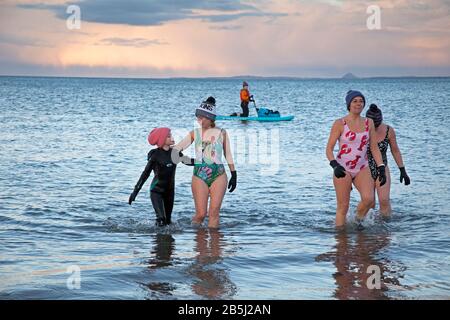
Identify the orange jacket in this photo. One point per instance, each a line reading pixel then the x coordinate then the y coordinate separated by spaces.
pixel 245 95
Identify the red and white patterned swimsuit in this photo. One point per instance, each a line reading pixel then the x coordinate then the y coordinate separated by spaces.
pixel 353 149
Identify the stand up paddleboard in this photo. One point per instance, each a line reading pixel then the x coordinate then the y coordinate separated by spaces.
pixel 265 119
pixel 263 114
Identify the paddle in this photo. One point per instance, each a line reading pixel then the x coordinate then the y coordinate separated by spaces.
pixel 254 103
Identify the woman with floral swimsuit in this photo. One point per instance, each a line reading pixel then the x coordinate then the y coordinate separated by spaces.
pixel 209 179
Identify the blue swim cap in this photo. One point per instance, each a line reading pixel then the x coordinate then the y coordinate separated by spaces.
pixel 353 94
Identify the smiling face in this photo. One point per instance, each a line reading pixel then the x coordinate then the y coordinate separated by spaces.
pixel 357 105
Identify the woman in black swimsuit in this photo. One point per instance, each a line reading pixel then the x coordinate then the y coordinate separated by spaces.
pixel 385 136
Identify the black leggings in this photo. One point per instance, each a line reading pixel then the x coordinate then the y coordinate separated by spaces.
pixel 163 205
pixel 244 106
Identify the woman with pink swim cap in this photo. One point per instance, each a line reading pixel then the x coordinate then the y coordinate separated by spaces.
pixel 351 163
pixel 163 161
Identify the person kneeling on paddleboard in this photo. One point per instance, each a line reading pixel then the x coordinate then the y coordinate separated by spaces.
pixel 163 161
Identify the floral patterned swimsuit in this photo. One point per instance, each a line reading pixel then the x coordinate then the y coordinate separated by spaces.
pixel 208 158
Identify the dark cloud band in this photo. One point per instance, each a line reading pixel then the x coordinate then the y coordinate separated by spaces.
pixel 156 12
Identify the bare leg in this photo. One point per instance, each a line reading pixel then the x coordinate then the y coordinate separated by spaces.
pixel 364 183
pixel 217 191
pixel 374 200
pixel 343 188
pixel 384 195
pixel 200 192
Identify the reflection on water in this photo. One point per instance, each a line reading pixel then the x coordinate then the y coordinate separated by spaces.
pixel 355 257
pixel 211 278
pixel 163 247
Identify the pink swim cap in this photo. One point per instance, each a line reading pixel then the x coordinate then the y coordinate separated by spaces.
pixel 158 136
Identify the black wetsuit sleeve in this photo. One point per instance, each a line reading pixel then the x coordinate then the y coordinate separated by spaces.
pixel 144 176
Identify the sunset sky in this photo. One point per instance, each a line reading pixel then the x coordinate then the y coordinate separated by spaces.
pixel 202 38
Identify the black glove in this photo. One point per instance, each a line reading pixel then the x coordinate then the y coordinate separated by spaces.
pixel 403 175
pixel 251 98
pixel 339 170
pixel 382 175
pixel 132 197
pixel 233 181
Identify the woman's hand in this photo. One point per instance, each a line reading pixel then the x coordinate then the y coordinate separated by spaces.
pixel 339 171
pixel 233 181
pixel 403 175
pixel 382 175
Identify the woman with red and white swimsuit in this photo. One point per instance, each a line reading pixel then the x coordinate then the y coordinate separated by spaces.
pixel 351 164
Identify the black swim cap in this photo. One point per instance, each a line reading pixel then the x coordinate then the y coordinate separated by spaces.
pixel 375 114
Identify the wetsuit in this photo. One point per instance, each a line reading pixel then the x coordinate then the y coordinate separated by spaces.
pixel 162 189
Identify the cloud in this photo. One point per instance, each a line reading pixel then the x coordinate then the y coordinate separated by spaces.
pixel 134 42
pixel 23 41
pixel 156 12
pixel 317 38
pixel 8 67
pixel 235 16
pixel 231 27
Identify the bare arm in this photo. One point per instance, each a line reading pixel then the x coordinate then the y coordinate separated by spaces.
pixel 335 133
pixel 227 151
pixel 395 150
pixel 185 143
pixel 376 153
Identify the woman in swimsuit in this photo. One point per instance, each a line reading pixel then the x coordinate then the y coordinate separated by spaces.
pixel 209 178
pixel 351 164
pixel 385 137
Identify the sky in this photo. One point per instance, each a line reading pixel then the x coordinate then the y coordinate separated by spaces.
pixel 221 38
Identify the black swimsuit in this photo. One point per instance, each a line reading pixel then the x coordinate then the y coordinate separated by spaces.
pixel 383 146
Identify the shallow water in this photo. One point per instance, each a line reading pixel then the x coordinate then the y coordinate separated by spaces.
pixel 72 150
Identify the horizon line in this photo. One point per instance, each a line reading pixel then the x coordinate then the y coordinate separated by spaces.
pixel 225 77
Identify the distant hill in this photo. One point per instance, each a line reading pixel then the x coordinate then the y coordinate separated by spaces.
pixel 349 76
